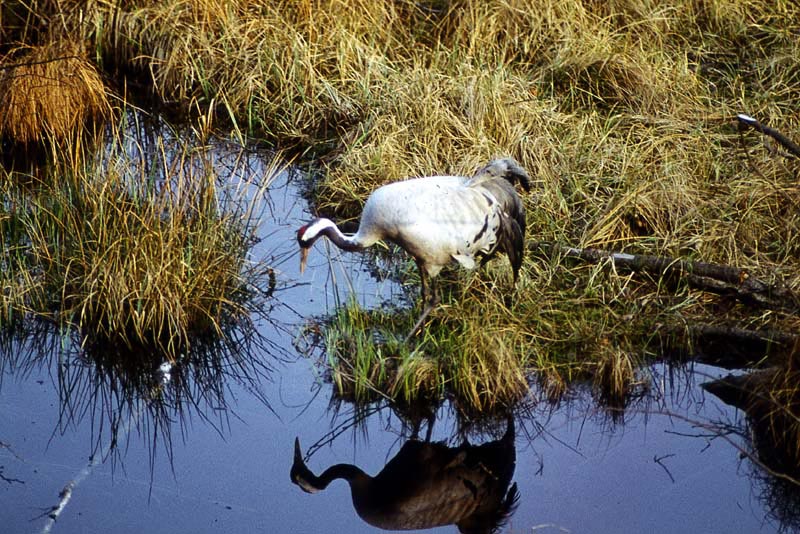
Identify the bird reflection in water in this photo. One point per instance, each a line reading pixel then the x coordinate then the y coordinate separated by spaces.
pixel 429 484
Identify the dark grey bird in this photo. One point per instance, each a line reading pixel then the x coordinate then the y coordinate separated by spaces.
pixel 438 219
pixel 428 485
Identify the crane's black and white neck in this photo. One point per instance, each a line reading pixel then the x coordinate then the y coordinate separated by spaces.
pixel 308 234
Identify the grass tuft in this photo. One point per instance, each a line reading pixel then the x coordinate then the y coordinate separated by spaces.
pixel 50 92
pixel 151 265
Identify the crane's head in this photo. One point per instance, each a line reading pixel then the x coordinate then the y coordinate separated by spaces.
pixel 309 233
pixel 300 474
pixel 305 243
pixel 506 168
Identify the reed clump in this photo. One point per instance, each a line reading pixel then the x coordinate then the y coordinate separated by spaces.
pixel 370 359
pixel 50 92
pixel 378 363
pixel 23 290
pixel 144 265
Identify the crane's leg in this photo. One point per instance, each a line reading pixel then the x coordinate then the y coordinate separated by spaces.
pixel 429 433
pixel 429 304
pixel 430 418
pixel 422 282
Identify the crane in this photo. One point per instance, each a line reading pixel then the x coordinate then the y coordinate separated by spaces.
pixel 429 484
pixel 438 219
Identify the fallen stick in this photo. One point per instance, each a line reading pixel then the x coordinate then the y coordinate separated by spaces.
pixel 711 277
pixel 788 144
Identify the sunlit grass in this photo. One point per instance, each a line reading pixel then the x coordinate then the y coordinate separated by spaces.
pixel 622 112
pixel 378 363
pixel 50 93
pixel 140 262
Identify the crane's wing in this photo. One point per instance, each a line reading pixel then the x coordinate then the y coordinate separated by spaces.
pixel 435 219
pixel 510 233
pixel 441 218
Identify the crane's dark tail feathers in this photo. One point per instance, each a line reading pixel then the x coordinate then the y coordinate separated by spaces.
pixel 511 242
pixel 498 177
pixel 506 168
pixel 508 506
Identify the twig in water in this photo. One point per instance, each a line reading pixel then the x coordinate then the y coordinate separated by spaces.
pixel 4 478
pixel 9 479
pixel 657 459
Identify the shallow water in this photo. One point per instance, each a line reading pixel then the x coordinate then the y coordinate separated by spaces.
pixel 222 465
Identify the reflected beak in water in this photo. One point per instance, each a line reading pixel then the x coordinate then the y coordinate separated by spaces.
pixel 300 474
pixel 303 259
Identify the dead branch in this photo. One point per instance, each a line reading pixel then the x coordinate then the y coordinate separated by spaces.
pixel 711 277
pixel 788 144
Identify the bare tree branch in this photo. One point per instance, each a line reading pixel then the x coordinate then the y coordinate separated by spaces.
pixel 711 277
pixel 788 144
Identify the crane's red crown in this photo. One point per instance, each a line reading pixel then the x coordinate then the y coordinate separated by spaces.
pixel 301 236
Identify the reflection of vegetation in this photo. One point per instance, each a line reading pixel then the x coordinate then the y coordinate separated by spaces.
pixel 120 392
pixel 132 260
pixel 672 393
pixel 771 400
pixel 781 499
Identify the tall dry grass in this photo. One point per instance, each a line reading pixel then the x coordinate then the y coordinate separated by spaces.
pixel 50 92
pixel 622 111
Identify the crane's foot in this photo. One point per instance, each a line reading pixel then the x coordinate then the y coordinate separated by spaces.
pixel 424 315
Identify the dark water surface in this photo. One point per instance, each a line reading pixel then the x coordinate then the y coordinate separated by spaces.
pixel 222 465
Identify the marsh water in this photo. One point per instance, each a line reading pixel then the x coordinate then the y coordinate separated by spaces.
pixel 83 451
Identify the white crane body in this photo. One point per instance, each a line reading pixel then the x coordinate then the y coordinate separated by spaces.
pixel 435 219
pixel 439 219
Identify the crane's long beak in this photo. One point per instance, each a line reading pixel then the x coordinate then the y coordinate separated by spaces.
pixel 303 259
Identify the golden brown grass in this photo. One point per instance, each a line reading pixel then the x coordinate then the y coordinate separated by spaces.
pixel 50 92
pixel 623 111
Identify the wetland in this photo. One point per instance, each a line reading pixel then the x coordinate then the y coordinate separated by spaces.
pixel 166 365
